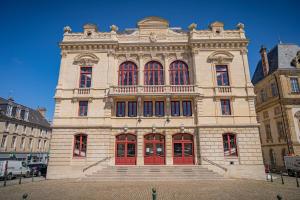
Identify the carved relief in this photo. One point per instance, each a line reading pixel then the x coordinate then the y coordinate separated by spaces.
pixel 153 37
pixel 220 57
pixel 296 61
pixel 86 59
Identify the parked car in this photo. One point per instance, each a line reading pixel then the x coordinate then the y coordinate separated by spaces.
pixel 14 168
pixel 292 165
pixel 38 169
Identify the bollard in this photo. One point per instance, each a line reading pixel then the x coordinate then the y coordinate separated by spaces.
pixel 20 180
pixel 32 177
pixel 4 184
pixel 282 182
pixel 296 175
pixel 25 195
pixel 154 194
pixel 279 197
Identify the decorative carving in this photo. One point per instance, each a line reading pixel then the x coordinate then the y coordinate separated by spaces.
pixel 297 115
pixel 86 59
pixel 192 27
pixel 240 26
pixel 114 28
pixel 67 29
pixel 153 37
pixel 220 57
pixel 296 61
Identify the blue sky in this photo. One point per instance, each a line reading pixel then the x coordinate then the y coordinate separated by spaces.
pixel 31 30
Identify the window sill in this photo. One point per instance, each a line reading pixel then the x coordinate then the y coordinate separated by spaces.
pixel 79 157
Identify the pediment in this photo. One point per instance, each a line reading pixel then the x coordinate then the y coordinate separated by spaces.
pixel 86 59
pixel 153 23
pixel 220 57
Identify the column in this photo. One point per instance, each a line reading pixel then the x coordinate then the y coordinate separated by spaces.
pixel 141 69
pixel 246 67
pixel 166 69
pixel 140 150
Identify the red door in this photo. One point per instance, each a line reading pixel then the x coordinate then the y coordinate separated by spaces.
pixel 125 149
pixel 183 149
pixel 154 153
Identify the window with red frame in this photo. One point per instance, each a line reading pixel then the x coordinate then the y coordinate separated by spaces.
pixel 229 144
pixel 179 73
pixel 187 108
pixel 132 109
pixel 159 108
pixel 128 73
pixel 148 108
pixel 222 75
pixel 120 109
pixel 225 106
pixel 80 144
pixel 153 73
pixel 83 108
pixel 85 77
pixel 175 108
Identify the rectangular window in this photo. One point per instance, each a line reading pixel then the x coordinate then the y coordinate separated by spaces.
pixel 132 109
pixel 45 145
pixel 24 129
pixel 225 105
pixel 120 109
pixel 22 114
pixel 187 108
pixel 175 108
pixel 159 109
pixel 268 132
pixel 30 144
pixel 148 109
pixel 85 77
pixel 274 90
pixel 13 142
pixel 229 145
pixel 3 142
pixel 80 145
pixel 294 85
pixel 263 96
pixel 83 108
pixel 222 75
pixel 39 144
pixel 280 130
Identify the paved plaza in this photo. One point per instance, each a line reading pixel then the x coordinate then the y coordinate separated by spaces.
pixel 206 189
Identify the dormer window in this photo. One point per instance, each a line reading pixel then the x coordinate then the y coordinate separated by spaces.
pixel 22 114
pixel 26 115
pixel 9 110
pixel 14 112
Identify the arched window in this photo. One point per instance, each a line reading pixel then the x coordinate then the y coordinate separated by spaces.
pixel 153 73
pixel 229 144
pixel 128 73
pixel 179 73
pixel 80 144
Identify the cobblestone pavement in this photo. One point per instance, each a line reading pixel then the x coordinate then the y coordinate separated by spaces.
pixel 127 190
pixel 24 180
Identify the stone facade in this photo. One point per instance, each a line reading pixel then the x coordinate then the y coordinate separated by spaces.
pixel 24 132
pixel 277 103
pixel 154 40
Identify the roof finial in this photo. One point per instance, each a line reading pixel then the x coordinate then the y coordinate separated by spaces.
pixel 279 39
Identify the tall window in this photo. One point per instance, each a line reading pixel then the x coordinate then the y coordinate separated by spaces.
pixel 80 144
pixel 295 85
pixel 83 108
pixel 175 108
pixel 153 73
pixel 22 144
pixel 85 77
pixel 132 109
pixel 148 108
pixel 179 73
pixel 274 90
pixel 222 75
pixel 229 144
pixel 22 114
pixel 128 73
pixel 120 109
pixel 159 108
pixel 268 132
pixel 272 158
pixel 13 142
pixel 3 142
pixel 187 108
pixel 225 106
pixel 30 144
pixel 280 130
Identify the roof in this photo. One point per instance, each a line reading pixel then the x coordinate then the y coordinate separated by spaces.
pixel 280 57
pixel 34 116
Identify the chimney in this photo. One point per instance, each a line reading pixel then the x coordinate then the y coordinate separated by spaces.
pixel 42 111
pixel 264 60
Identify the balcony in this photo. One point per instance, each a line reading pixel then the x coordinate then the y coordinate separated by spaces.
pixel 222 90
pixel 153 90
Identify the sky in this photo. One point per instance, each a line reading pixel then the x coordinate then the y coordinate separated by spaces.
pixel 31 31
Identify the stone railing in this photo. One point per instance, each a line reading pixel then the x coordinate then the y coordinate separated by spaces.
pixel 152 89
pixel 223 90
pixel 81 91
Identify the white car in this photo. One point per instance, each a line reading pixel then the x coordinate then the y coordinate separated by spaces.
pixel 14 168
pixel 292 164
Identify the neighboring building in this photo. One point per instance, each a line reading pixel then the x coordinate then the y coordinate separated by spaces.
pixel 276 80
pixel 24 132
pixel 155 95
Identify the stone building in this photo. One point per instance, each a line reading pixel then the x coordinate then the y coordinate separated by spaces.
pixel 24 132
pixel 155 95
pixel 276 81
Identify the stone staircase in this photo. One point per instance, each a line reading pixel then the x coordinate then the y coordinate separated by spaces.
pixel 152 173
